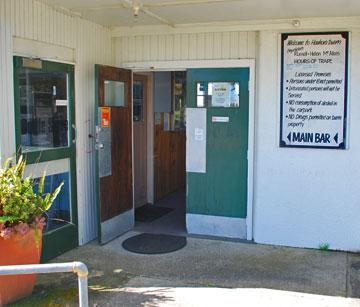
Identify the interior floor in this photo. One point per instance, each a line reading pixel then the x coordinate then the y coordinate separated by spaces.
pixel 171 223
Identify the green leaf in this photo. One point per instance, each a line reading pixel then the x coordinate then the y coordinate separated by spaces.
pixel 7 218
pixel 53 196
pixel 41 184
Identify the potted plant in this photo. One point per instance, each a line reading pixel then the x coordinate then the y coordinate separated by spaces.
pixel 23 204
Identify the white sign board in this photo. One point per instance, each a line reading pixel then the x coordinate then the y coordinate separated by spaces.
pixel 314 90
pixel 196 140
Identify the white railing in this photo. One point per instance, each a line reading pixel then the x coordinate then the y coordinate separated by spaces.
pixel 78 268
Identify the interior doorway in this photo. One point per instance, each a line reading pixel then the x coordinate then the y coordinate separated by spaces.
pixel 159 101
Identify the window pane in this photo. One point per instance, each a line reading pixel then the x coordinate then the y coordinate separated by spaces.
pixel 138 101
pixel 179 78
pixel 44 110
pixel 218 94
pixel 114 93
pixel 59 213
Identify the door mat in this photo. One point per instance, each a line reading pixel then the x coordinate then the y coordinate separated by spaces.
pixel 148 243
pixel 149 213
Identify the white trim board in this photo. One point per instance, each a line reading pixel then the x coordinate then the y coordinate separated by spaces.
pixel 219 226
pixel 36 49
pixel 240 63
pixel 53 167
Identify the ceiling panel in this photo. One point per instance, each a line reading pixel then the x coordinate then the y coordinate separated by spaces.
pixel 70 4
pixel 112 13
pixel 116 17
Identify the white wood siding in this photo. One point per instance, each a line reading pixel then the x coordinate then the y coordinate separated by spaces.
pixel 192 46
pixel 33 20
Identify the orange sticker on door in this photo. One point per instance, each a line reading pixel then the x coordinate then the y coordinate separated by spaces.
pixel 105 117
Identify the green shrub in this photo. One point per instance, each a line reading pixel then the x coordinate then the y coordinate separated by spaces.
pixel 22 206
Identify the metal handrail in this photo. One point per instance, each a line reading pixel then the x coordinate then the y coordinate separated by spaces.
pixel 78 268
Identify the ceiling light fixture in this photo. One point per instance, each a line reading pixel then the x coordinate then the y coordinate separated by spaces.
pixel 136 9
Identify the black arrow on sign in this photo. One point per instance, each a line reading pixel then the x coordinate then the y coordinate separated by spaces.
pixel 289 137
pixel 336 138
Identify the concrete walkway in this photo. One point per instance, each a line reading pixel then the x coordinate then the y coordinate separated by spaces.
pixel 207 273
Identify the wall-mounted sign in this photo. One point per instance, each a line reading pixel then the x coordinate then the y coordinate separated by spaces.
pixel 314 89
pixel 105 117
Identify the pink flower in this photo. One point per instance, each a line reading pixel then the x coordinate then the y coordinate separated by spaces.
pixel 6 233
pixel 40 222
pixel 2 226
pixel 22 228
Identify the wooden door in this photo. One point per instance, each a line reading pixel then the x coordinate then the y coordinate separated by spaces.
pixel 222 189
pixel 114 151
pixel 140 139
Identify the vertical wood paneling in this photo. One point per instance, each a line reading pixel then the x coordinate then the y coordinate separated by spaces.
pixel 146 51
pixel 154 47
pixel 169 46
pixel 200 54
pixel 193 46
pixel 188 46
pixel 138 48
pixel 33 20
pixel 177 47
pixel 252 42
pixel 184 46
pixel 161 48
pixel 225 49
pixel 209 43
pixel 234 42
pixel 217 45
pixel 243 45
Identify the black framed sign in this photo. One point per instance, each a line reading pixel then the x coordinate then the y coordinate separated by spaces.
pixel 314 77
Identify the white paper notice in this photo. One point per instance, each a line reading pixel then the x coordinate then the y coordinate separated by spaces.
pixel 313 105
pixel 221 94
pixel 199 134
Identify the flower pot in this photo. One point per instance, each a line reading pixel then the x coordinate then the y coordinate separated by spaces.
pixel 19 249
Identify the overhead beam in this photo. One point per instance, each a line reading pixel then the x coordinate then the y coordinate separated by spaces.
pixel 153 5
pixel 310 24
pixel 161 19
pixel 187 2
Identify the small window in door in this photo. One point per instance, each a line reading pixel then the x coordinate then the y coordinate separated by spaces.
pixel 217 94
pixel 138 101
pixel 114 93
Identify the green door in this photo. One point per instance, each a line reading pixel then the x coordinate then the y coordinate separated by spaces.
pixel 46 136
pixel 221 190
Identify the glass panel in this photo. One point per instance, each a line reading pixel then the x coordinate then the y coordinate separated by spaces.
pixel 138 101
pixel 59 214
pixel 179 99
pixel 44 110
pixel 218 94
pixel 114 93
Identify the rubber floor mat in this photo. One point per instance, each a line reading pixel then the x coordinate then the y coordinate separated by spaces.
pixel 148 243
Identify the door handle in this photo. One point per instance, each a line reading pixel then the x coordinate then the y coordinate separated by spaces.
pixel 75 134
pixel 99 146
